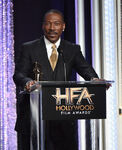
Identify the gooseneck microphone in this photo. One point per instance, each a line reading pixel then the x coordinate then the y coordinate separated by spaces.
pixel 60 51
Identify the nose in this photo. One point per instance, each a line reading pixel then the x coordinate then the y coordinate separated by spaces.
pixel 52 26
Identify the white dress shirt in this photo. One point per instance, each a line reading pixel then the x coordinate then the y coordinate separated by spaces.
pixel 49 46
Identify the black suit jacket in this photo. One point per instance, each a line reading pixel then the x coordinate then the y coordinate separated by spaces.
pixel 35 51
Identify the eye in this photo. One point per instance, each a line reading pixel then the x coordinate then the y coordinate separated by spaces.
pixel 57 23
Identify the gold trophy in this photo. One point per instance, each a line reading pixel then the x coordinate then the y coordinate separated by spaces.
pixel 37 72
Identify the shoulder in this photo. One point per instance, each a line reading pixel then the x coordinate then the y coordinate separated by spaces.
pixel 31 43
pixel 66 43
pixel 28 48
pixel 31 46
pixel 70 47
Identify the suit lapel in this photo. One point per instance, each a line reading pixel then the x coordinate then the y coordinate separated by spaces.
pixel 43 53
pixel 48 73
pixel 43 60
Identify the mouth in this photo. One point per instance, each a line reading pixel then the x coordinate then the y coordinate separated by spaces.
pixel 52 34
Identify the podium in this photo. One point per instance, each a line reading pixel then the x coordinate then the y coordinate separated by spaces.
pixel 64 100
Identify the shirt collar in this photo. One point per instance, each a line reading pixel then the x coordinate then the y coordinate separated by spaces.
pixel 49 44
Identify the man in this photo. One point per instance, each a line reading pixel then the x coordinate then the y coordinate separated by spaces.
pixel 41 51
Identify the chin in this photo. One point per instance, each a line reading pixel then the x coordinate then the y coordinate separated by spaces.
pixel 53 40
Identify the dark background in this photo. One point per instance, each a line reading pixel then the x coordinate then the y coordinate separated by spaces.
pixel 28 16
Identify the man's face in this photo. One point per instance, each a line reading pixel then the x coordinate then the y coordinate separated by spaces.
pixel 53 26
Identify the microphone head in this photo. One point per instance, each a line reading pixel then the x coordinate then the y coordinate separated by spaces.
pixel 60 50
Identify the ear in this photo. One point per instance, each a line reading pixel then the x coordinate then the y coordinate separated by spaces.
pixel 63 27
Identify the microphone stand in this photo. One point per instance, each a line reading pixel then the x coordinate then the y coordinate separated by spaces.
pixel 65 71
pixel 62 55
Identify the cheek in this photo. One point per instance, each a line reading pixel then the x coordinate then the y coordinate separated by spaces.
pixel 60 30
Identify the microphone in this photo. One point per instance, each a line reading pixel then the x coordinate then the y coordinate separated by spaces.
pixel 60 51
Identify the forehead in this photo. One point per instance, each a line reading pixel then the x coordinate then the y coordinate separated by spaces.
pixel 53 17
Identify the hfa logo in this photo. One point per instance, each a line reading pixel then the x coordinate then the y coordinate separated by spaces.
pixel 78 94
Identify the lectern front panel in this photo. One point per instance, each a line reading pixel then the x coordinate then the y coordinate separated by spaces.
pixel 72 103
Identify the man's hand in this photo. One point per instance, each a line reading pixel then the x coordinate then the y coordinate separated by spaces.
pixel 108 85
pixel 29 85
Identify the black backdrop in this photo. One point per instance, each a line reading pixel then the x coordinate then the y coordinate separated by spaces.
pixel 28 16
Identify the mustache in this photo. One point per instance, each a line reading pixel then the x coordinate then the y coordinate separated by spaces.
pixel 52 32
